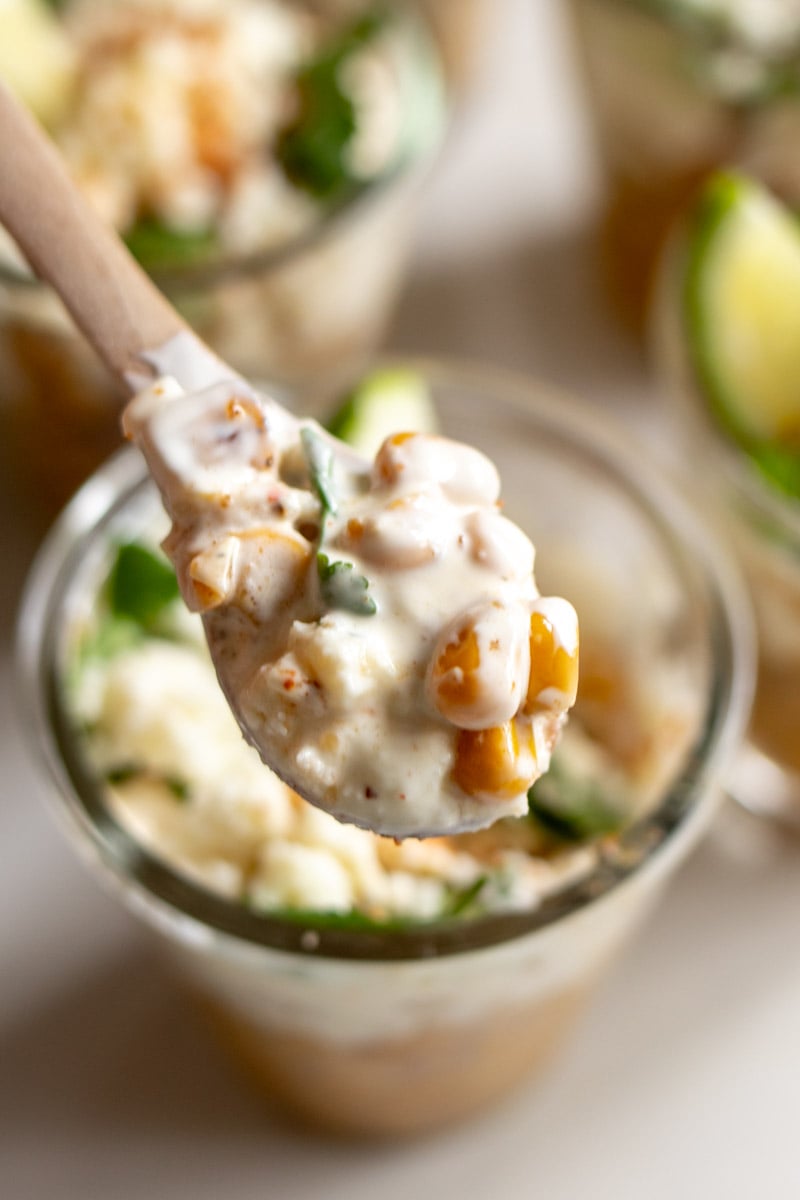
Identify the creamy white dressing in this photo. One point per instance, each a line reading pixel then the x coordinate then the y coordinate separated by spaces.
pixel 376 627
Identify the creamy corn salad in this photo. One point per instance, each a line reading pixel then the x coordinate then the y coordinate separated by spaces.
pixel 375 624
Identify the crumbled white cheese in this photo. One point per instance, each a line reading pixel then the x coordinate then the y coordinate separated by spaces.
pixel 190 789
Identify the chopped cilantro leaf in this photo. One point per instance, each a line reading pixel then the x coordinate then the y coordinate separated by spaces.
pixel 463 900
pixel 343 588
pixel 319 457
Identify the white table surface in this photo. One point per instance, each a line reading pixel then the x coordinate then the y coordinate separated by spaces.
pixel 683 1079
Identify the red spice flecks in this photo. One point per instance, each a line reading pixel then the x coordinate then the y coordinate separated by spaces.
pixel 370 793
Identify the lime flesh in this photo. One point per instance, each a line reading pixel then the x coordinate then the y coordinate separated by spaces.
pixel 743 307
pixel 742 310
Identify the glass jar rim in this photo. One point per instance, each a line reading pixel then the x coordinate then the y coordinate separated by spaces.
pixel 177 281
pixel 168 899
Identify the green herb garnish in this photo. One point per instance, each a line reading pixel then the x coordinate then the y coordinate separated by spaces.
pixel 141 585
pixel 462 900
pixel 343 588
pixel 319 457
pixel 312 149
pixel 571 807
pixel 124 774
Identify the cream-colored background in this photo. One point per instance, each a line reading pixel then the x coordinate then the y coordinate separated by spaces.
pixel 684 1079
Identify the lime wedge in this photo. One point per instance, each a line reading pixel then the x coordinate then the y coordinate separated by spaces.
pixel 389 400
pixel 742 310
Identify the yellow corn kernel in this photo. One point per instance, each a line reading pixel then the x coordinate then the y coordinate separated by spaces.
pixel 414 500
pixel 495 763
pixel 388 467
pixel 553 669
pixel 455 678
pixel 212 574
pixel 272 567
pixel 206 597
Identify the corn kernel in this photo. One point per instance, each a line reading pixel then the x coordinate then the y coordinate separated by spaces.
pixel 553 681
pixel 495 763
pixel 455 678
pixel 282 559
pixel 388 466
pixel 212 574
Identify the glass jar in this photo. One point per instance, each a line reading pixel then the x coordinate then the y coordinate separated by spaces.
pixel 394 1031
pixel 762 525
pixel 305 314
pixel 674 89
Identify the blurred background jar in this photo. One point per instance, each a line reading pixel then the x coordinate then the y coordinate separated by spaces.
pixel 726 342
pixel 462 30
pixel 263 161
pixel 676 87
pixel 763 527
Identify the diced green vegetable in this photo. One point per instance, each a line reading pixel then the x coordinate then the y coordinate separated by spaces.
pixel 313 148
pixel 390 400
pixel 141 585
pixel 572 807
pixel 156 245
pixel 343 588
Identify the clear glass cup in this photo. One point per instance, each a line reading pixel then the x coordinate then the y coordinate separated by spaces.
pixel 400 1031
pixel 306 314
pixel 762 525
pixel 672 94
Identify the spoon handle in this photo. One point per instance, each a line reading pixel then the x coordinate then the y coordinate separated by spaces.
pixel 109 296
